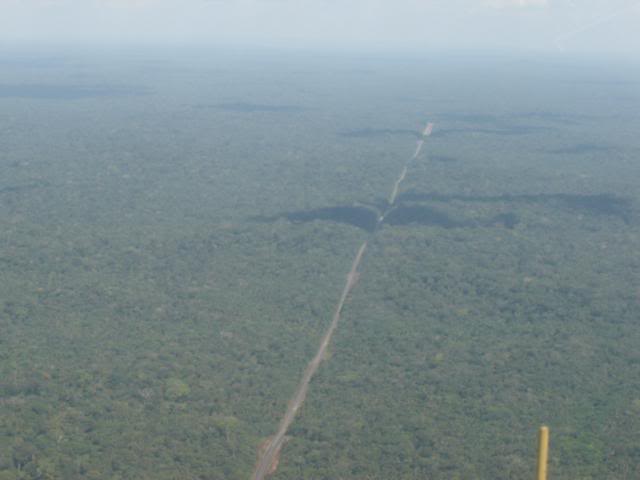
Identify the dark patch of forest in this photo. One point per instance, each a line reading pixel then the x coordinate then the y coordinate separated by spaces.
pixel 366 218
pixel 243 107
pixel 69 92
pixel 596 204
pixel 580 149
pixel 378 132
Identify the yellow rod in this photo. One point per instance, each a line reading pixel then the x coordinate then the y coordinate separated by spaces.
pixel 543 452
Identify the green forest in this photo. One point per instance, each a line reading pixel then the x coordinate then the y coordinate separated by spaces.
pixel 175 234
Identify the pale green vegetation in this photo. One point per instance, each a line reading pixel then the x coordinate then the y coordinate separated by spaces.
pixel 159 300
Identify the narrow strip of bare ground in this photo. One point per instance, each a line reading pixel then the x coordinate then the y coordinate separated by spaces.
pixel 270 451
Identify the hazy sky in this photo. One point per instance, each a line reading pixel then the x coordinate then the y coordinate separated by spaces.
pixel 417 25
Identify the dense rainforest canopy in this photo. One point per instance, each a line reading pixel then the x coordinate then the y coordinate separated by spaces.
pixel 175 234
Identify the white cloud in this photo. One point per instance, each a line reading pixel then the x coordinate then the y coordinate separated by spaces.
pixel 516 3
pixel 338 24
pixel 129 3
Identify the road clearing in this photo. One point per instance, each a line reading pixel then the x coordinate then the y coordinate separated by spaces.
pixel 271 452
pixel 269 455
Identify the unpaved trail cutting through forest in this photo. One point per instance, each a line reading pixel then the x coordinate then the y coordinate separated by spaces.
pixel 403 174
pixel 270 454
pixel 267 462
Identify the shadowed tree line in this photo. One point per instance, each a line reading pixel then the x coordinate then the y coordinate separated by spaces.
pixel 442 158
pixel 407 212
pixel 361 217
pixel 489 124
pixel 23 188
pixel 500 131
pixel 379 132
pixel 69 92
pixel 580 149
pixel 509 117
pixel 444 132
pixel 243 107
pixel 597 204
pixel 366 218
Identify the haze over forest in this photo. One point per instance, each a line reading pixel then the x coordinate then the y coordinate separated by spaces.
pixel 587 26
pixel 319 240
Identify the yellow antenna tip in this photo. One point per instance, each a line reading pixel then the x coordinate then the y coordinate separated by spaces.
pixel 543 452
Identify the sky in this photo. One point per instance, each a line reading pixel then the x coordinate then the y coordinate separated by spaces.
pixel 585 26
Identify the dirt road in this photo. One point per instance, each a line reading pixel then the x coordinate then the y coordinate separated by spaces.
pixel 266 462
pixel 396 186
pixel 272 450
